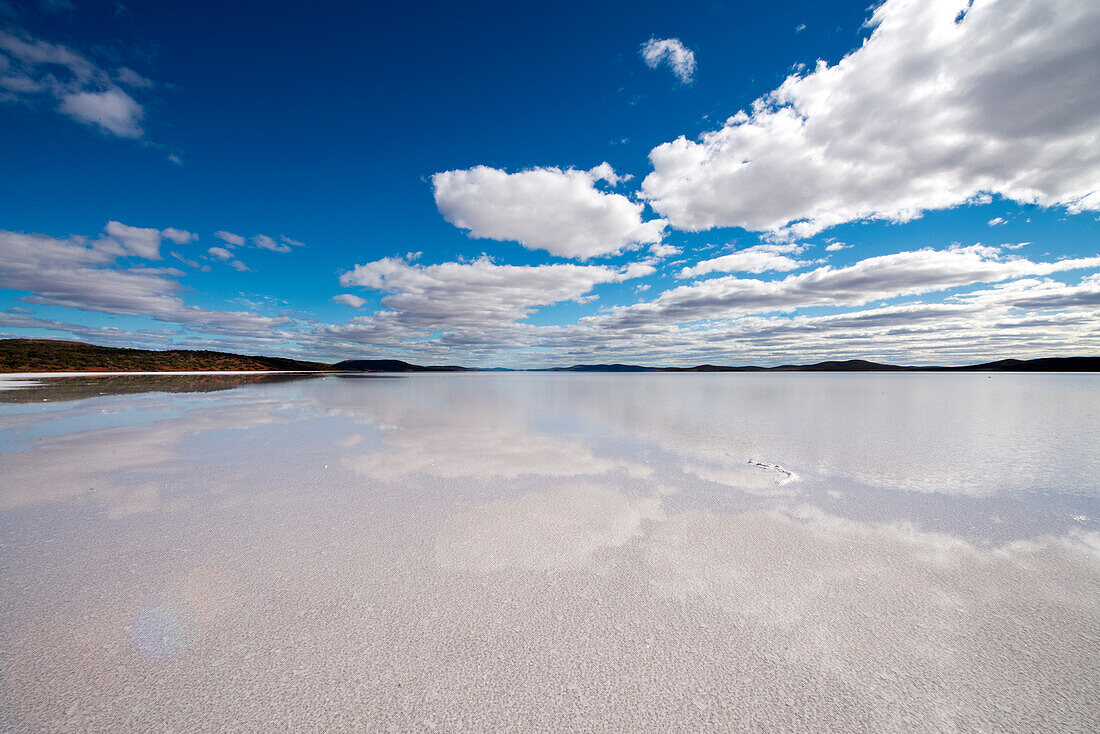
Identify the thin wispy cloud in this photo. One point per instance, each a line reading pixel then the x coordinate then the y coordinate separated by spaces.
pixel 34 70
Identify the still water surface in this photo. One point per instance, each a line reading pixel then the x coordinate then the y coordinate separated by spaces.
pixel 639 552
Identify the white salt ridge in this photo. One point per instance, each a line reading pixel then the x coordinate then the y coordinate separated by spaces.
pixel 786 476
pixel 18 382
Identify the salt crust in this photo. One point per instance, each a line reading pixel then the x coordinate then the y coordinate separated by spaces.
pixel 248 565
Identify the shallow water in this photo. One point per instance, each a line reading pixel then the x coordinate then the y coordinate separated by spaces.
pixel 638 552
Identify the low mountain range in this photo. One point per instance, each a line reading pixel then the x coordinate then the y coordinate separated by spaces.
pixel 55 355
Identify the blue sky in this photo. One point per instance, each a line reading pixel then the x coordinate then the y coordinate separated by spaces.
pixel 524 185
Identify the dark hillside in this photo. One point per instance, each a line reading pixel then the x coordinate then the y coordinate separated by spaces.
pixel 55 355
pixel 388 365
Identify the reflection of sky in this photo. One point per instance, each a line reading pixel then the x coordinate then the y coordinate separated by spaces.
pixel 377 540
pixel 86 418
pixel 989 458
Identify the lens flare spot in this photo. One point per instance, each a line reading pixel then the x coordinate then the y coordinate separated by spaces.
pixel 156 633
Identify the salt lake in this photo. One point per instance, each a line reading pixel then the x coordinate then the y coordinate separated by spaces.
pixel 551 551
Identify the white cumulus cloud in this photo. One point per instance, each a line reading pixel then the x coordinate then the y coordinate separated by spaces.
pixel 945 103
pixel 560 211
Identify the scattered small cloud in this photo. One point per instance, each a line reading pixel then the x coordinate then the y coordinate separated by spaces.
pixel 670 51
pixel 233 240
pixel 139 241
pixel 113 111
pixel 662 250
pixel 264 242
pixel 188 262
pixel 179 236
pixel 350 299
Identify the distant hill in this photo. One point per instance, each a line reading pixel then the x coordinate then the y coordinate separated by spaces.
pixel 600 368
pixel 850 365
pixel 55 355
pixel 1048 364
pixel 389 365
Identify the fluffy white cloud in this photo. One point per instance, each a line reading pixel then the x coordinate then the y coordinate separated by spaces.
pixel 478 293
pixel 85 92
pixel 350 299
pixel 755 259
pixel 836 247
pixel 670 51
pixel 114 111
pixel 944 102
pixel 560 211
pixel 221 253
pixel 873 279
